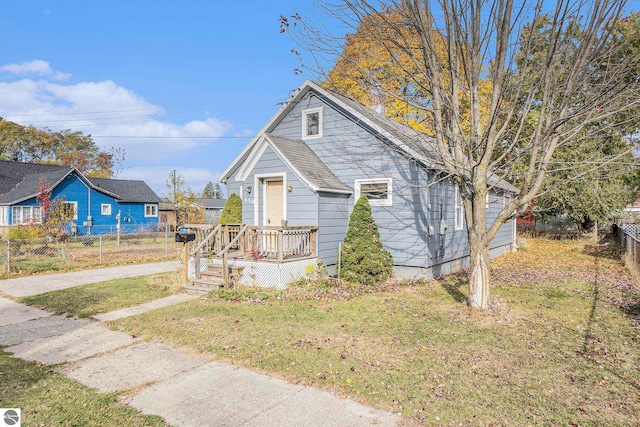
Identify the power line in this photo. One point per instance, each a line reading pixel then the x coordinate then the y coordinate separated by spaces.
pixel 104 112
pixel 171 137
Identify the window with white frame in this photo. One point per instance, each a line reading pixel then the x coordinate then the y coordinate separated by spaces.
pixel 23 215
pixel 459 214
pixel 72 208
pixel 377 190
pixel 105 209
pixel 4 215
pixel 312 123
pixel 150 210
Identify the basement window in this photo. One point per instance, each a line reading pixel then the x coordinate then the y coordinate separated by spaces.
pixel 377 190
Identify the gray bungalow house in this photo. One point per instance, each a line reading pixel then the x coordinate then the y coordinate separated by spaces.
pixel 321 151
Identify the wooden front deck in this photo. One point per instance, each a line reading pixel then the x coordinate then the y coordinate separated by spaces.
pixel 226 245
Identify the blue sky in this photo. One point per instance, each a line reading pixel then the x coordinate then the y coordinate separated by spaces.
pixel 132 73
pixel 138 69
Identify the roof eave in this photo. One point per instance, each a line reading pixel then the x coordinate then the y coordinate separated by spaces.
pixel 283 111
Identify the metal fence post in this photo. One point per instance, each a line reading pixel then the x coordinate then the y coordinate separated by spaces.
pixel 166 240
pixel 100 246
pixel 8 256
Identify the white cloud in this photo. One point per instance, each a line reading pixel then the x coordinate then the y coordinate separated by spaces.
pixel 105 109
pixel 118 117
pixel 37 67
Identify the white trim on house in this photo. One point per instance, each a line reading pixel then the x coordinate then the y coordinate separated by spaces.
pixel 305 123
pixel 257 187
pixel 254 157
pixel 388 201
pixel 154 210
pixel 459 211
pixel 247 167
pixel 4 215
pixel 33 216
pixel 105 209
pixel 74 207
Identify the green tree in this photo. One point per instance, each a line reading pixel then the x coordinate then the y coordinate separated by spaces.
pixel 232 211
pixel 364 259
pixel 585 193
pixel 212 191
pixel 72 148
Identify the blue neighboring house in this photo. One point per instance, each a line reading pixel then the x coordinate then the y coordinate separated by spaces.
pixel 321 151
pixel 99 204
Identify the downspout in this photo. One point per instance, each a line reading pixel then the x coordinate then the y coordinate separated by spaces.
pixel 89 217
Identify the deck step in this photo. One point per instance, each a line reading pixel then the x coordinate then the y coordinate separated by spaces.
pixel 204 285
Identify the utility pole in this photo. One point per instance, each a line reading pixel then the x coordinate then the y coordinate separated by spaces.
pixel 175 207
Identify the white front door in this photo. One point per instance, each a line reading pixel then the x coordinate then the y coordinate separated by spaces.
pixel 273 200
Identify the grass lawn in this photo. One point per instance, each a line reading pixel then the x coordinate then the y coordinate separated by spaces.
pixel 560 347
pixel 49 399
pixel 95 298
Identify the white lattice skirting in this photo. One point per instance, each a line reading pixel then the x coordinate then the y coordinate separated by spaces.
pixel 262 273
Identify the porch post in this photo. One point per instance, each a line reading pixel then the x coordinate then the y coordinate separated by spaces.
pixel 280 244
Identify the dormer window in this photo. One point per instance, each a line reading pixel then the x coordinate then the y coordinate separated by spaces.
pixel 312 123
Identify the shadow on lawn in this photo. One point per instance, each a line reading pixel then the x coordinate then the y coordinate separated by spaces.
pixel 452 285
pixel 592 346
pixel 605 248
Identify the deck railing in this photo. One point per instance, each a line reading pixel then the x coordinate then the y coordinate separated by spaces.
pixel 274 243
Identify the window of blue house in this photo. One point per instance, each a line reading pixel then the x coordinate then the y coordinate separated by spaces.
pixel 71 207
pixel 23 215
pixel 105 209
pixel 4 215
pixel 150 210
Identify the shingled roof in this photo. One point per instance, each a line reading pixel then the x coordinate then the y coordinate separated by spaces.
pixel 128 191
pixel 20 181
pixel 308 165
pixel 414 144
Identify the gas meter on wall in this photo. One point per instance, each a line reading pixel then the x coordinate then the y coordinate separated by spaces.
pixel 443 227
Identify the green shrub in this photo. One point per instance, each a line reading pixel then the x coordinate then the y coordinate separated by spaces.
pixel 25 232
pixel 364 259
pixel 232 212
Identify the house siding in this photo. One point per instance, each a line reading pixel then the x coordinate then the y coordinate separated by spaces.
pixel 333 220
pixel 302 202
pixel 351 153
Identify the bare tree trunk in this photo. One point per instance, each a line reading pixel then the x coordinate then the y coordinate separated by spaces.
pixel 479 238
pixel 479 276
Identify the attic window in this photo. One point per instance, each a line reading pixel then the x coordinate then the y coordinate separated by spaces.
pixel 377 190
pixel 312 123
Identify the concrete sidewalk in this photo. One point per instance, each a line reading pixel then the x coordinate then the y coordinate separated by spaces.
pixel 186 390
pixel 34 285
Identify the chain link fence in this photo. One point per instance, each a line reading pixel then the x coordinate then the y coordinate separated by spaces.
pixel 20 257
